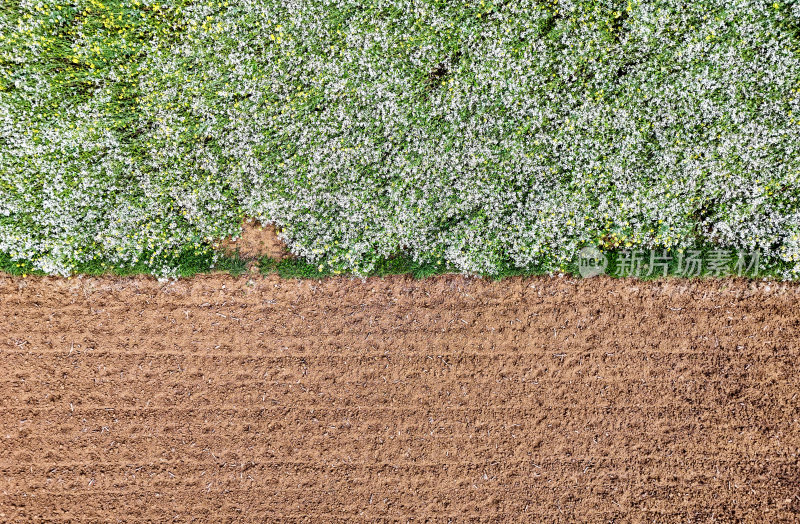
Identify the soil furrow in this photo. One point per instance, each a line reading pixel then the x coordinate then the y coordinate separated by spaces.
pixel 452 398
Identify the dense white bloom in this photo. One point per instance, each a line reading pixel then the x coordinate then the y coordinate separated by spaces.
pixel 484 134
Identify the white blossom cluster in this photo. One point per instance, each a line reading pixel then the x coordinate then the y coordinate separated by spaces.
pixel 486 135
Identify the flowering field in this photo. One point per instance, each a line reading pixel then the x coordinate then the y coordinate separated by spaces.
pixel 483 136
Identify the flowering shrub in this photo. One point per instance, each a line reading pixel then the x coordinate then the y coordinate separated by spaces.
pixel 485 135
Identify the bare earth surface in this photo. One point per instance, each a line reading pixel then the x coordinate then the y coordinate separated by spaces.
pixel 256 241
pixel 225 399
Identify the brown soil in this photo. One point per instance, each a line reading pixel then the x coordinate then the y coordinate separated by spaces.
pixel 256 240
pixel 222 399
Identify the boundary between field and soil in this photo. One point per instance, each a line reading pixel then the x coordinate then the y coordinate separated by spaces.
pixel 192 263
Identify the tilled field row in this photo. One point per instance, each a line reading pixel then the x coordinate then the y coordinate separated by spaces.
pixel 251 399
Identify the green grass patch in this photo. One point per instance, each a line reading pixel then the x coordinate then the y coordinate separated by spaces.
pixel 188 264
pixel 620 265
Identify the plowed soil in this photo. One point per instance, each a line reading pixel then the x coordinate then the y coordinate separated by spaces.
pixel 221 399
